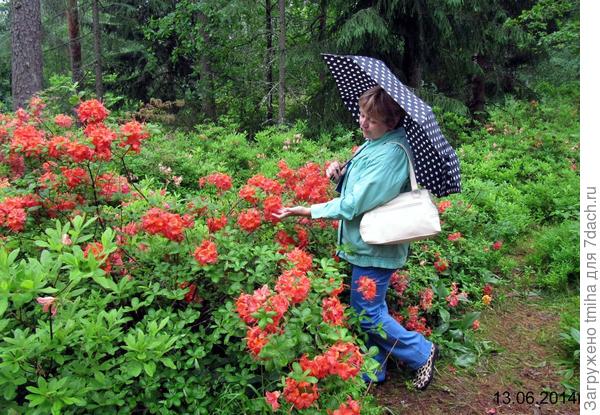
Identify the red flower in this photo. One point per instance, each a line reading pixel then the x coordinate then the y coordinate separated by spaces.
pixel 109 184
pixel 300 394
pixel 206 253
pixel 476 325
pixel 426 299
pixel 102 138
pixel 248 193
pixel 443 205
pixel 333 311
pixel 272 399
pixel 27 140
pixel 455 296
pixel 441 265
pixel 78 152
pixel 220 180
pixel 74 176
pixel 247 304
pixel 367 287
pixel 216 224
pixel 488 289
pixel 249 220
pixel 294 284
pixel 269 186
pixel 350 407
pixel 63 121
pixel 454 236
pixel 272 205
pixel 192 295
pixel 91 111
pixel 399 282
pixel 169 225
pixel 256 338
pixel 300 259
pixel 497 245
pixel 133 133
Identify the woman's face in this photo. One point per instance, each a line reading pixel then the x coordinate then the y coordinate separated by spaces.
pixel 372 128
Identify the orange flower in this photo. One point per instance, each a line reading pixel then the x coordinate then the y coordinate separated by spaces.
pixel 91 111
pixel 206 253
pixel 300 394
pixel 486 299
pixel 367 287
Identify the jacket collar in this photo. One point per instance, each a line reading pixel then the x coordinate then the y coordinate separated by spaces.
pixel 393 135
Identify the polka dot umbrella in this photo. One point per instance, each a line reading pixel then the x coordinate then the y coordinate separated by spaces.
pixel 435 161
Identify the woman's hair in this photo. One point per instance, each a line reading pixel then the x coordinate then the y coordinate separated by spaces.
pixel 377 103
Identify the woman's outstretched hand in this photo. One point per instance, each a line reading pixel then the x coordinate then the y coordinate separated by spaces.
pixel 292 211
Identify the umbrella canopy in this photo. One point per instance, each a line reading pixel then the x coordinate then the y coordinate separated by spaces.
pixel 435 161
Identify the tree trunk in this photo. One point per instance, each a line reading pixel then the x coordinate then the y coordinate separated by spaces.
pixel 478 99
pixel 26 64
pixel 74 41
pixel 209 105
pixel 97 49
pixel 269 59
pixel 281 118
pixel 413 57
pixel 321 36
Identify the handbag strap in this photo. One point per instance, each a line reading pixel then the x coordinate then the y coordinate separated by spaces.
pixel 411 170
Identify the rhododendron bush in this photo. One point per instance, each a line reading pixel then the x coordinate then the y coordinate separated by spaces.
pixel 117 295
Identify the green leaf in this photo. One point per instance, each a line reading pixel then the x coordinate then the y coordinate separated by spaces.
pixel 168 362
pixel 465 360
pixel 444 315
pixel 150 368
pixel 106 283
pixel 134 368
pixel 3 305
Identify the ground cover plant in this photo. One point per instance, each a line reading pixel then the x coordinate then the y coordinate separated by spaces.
pixel 138 279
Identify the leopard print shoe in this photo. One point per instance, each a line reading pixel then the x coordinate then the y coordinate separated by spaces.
pixel 424 374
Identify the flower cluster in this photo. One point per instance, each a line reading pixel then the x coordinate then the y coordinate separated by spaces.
pixel 249 220
pixel 169 225
pixel 294 285
pixel 343 359
pixel 206 253
pixel 350 407
pixel 216 224
pixel 455 296
pixel 308 183
pixel 426 299
pixel 220 180
pixel 300 394
pixel 91 111
pixel 399 282
pixel 12 211
pixel 367 287
pixel 133 133
pixel 416 323
pixel 333 311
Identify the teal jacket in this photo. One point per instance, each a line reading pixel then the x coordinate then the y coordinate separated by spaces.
pixel 375 176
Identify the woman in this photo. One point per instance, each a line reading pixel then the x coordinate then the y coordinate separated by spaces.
pixel 376 174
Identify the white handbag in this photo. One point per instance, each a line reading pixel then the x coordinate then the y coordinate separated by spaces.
pixel 411 216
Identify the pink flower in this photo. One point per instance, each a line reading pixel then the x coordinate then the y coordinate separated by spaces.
pixel 497 245
pixel 272 399
pixel 66 240
pixel 47 304
pixel 476 325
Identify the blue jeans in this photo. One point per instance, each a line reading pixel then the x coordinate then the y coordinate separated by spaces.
pixel 410 347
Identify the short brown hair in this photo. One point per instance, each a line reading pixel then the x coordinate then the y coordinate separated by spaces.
pixel 377 103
